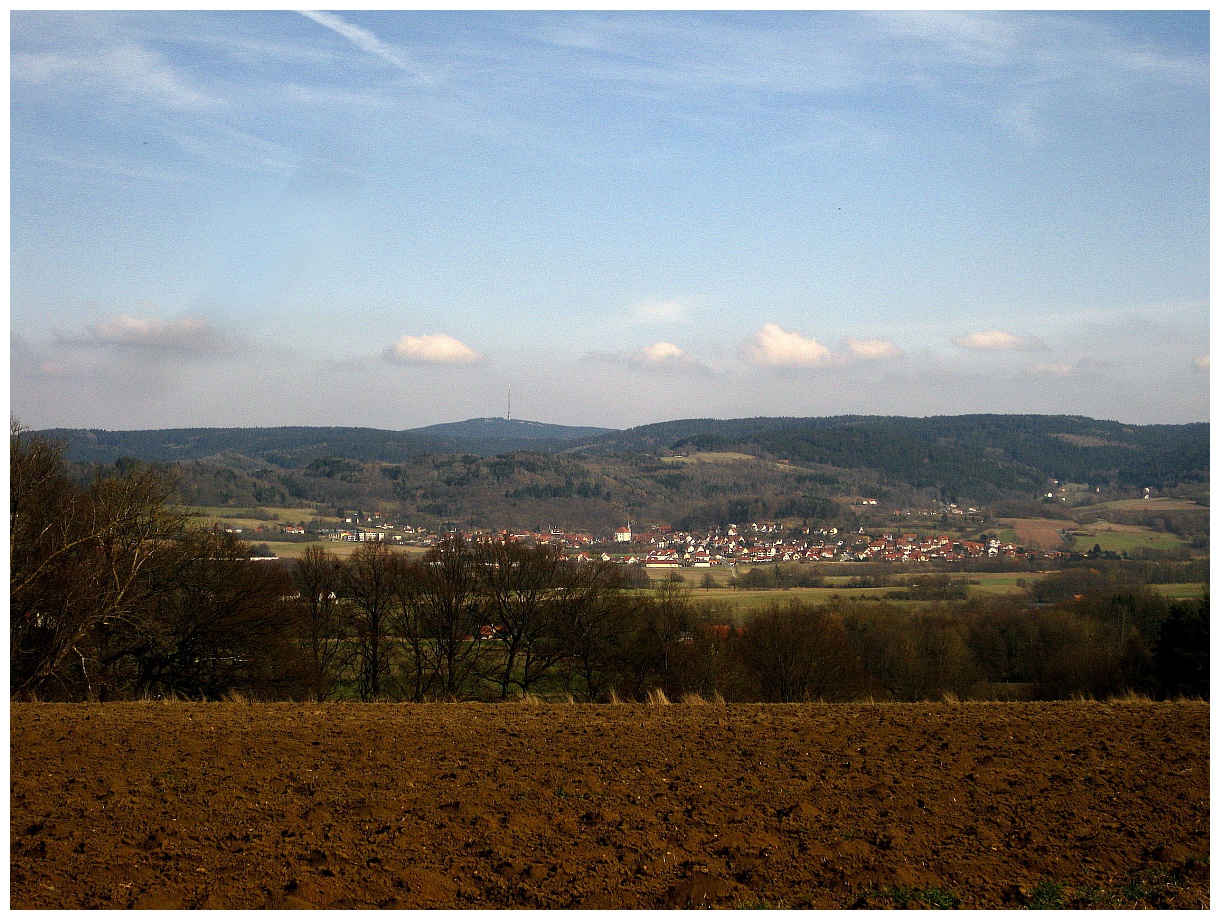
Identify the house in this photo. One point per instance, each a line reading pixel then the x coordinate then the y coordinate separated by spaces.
pixel 622 535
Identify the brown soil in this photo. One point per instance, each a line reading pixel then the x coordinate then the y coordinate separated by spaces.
pixel 552 806
pixel 1041 533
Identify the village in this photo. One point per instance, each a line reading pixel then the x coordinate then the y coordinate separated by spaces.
pixel 662 547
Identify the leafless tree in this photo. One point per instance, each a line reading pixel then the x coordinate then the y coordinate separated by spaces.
pixel 524 591
pixel 214 622
pixel 78 558
pixel 598 620
pixel 317 576
pixel 450 613
pixel 797 652
pixel 370 578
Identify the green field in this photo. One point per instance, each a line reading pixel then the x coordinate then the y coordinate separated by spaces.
pixel 1181 592
pixel 336 548
pixel 1151 504
pixel 710 457
pixel 258 518
pixel 1114 538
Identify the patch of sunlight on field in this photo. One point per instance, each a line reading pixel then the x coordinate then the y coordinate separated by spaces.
pixel 710 457
pixel 339 549
pixel 254 518
pixel 1181 592
pixel 1114 538
pixel 994 585
pixel 1151 504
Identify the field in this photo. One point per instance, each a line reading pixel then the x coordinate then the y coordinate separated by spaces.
pixel 1123 538
pixel 340 549
pixel 709 456
pixel 1038 533
pixel 254 518
pixel 233 805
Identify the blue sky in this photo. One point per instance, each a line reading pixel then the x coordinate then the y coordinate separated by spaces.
pixel 389 218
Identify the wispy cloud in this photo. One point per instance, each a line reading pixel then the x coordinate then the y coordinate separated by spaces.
pixel 189 335
pixel 661 311
pixel 872 349
pixel 1055 369
pixel 995 340
pixel 431 349
pixel 127 70
pixel 776 347
pixel 368 42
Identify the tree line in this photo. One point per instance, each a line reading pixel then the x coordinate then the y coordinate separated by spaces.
pixel 116 595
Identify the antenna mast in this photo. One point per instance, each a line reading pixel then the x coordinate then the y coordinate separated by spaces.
pixel 510 403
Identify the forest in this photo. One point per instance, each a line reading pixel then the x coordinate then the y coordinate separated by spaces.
pixel 116 594
pixel 797 469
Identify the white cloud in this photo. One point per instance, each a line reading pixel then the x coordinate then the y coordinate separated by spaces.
pixel 775 347
pixel 1204 362
pixel 184 335
pixel 431 349
pixel 663 353
pixel 658 356
pixel 872 348
pixel 661 311
pixel 994 340
pixel 366 41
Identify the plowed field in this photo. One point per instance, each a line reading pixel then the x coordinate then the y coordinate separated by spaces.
pixel 164 805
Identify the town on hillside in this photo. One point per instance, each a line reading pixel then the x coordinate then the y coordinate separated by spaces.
pixel 662 547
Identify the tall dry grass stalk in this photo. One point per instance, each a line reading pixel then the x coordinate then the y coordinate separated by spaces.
pixel 1131 696
pixel 657 698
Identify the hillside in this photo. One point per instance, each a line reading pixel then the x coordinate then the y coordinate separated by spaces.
pixel 289 447
pixel 503 429
pixel 492 472
pixel 977 457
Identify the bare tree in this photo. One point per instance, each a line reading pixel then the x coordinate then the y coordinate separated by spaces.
pixel 450 611
pixel 797 652
pixel 598 618
pixel 78 558
pixel 215 622
pixel 370 579
pixel 317 576
pixel 523 591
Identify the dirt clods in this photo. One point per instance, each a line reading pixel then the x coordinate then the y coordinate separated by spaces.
pixel 174 805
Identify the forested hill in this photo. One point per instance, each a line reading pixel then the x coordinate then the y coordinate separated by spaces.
pixel 760 468
pixel 290 447
pixel 977 455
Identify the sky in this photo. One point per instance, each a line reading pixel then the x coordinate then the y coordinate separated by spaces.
pixel 391 218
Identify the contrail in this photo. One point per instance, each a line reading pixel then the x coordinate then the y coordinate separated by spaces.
pixel 365 41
